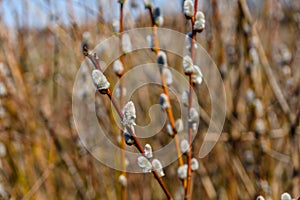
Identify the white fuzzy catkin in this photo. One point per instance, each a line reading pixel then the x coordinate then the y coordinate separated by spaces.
pixel 86 36
pixel 195 164
pixel 158 17
pixel 200 16
pixel 250 95
pixel 126 43
pixel 159 21
pixel 286 55
pixel 100 80
pixel 187 64
pixel 184 146
pixel 144 164
pixel 148 3
pixel 161 58
pixel 193 115
pixel 163 101
pixel 148 151
pixel 129 114
pixel 286 196
pixel 185 98
pixel 118 67
pixel 260 198
pixel 123 180
pixel 197 76
pixel 188 41
pixel 179 125
pixel 182 171
pixel 259 125
pixel 249 157
pixel 200 21
pixel 188 8
pixel 168 76
pixel 286 70
pixel 116 26
pixel 128 137
pixel 158 167
pixel 194 126
pixel 169 130
pixel 150 41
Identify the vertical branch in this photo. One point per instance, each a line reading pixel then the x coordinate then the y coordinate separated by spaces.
pixel 165 90
pixel 266 65
pixel 138 145
pixel 187 190
pixel 121 87
pixel 130 129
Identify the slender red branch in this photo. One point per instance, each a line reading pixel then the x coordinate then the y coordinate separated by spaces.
pixel 166 91
pixel 122 145
pixel 130 130
pixel 187 190
pixel 138 145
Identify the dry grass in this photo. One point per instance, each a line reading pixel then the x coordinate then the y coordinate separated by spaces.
pixel 44 158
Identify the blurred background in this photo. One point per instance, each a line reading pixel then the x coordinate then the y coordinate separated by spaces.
pixel 255 45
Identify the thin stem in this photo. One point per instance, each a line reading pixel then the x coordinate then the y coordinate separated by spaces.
pixel 266 65
pixel 122 145
pixel 187 190
pixel 130 130
pixel 95 61
pixel 166 92
pixel 189 154
pixel 151 16
pixel 171 119
pixel 138 145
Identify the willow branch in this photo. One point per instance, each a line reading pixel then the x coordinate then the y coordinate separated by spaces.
pixel 166 91
pixel 130 130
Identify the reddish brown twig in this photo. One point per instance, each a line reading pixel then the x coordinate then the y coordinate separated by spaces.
pixel 130 130
pixel 138 145
pixel 187 191
pixel 121 87
pixel 166 91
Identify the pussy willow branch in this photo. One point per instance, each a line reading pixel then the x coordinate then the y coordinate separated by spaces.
pixel 266 66
pixel 121 88
pixel 165 89
pixel 130 130
pixel 187 189
pixel 269 73
pixel 251 85
pixel 138 146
